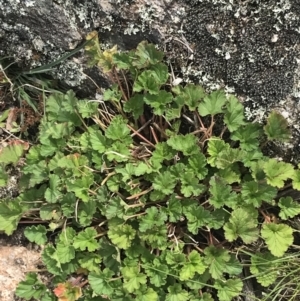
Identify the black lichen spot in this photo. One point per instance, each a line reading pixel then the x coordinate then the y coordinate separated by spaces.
pixel 259 66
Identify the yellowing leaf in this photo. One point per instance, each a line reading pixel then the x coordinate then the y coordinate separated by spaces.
pixel 106 59
pixel 13 151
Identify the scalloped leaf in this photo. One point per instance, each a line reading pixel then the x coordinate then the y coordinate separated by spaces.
pixel 278 237
pixel 213 103
pixel 277 127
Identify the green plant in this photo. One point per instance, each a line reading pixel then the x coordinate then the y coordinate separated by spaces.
pixel 151 190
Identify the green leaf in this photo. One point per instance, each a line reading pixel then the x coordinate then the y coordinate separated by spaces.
pixel 192 95
pixel 109 254
pixel 198 282
pixel 74 165
pixel 98 141
pixel 163 152
pixel 87 108
pixel 160 73
pixel 52 131
pixel 31 287
pixel 220 193
pixel 248 136
pixel 215 146
pixel 90 261
pixel 217 260
pixel 86 211
pixel 234 115
pixel 10 215
pixel 197 217
pixel 68 204
pixel 50 211
pixel 61 108
pixel 165 182
pixel 175 259
pixel 118 151
pixel 113 94
pixel 123 60
pixel 241 224
pixel 159 101
pixel 227 157
pixel 36 234
pixel 233 266
pixel 228 289
pixel 254 193
pixel 118 130
pixel 152 217
pixel 146 81
pixel 194 264
pixel 289 208
pixel 277 127
pixel 101 283
pixel 121 235
pixel 278 237
pixel 80 187
pixel 278 172
pixel 86 240
pixel 65 253
pixel 213 103
pixel 156 237
pixel 296 179
pixel 157 272
pixel 114 207
pixel 133 278
pixel 197 164
pixel 174 209
pixel 264 268
pixel 3 176
pixel 135 105
pixel 231 174
pixel 187 144
pixel 147 54
pixel 190 185
pixel 51 261
pixel 52 193
pixel 217 218
pixel 176 293
pixel 148 294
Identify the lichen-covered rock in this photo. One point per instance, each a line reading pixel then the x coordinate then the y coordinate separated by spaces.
pixel 251 47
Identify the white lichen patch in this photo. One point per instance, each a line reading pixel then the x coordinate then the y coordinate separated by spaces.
pixel 71 73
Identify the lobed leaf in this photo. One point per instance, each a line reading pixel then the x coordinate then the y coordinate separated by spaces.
pixel 234 114
pixel 241 224
pixel 31 287
pixel 228 289
pixel 86 240
pixel 277 127
pixel 213 103
pixel 36 234
pixel 264 268
pixel 278 172
pixel 289 208
pixel 121 235
pixel 278 237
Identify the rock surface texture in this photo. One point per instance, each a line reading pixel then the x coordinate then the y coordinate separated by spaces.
pixel 250 47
